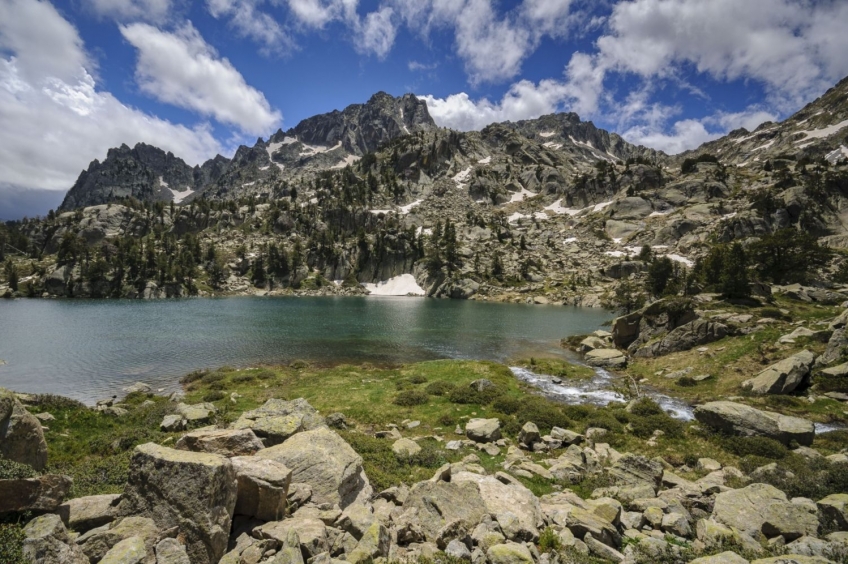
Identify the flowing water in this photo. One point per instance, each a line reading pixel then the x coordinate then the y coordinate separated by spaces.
pixel 90 349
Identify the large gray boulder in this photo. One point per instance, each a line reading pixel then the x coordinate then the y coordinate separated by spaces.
pixel 483 430
pixel 764 509
pixel 277 420
pixel 434 504
pixel 84 513
pixel 606 358
pixel 97 542
pixel 190 490
pixel 21 437
pixel 226 442
pixel 198 413
pixel 782 377
pixel 837 345
pixel 515 507
pixel 322 459
pixel 740 419
pixel 687 336
pixel 47 542
pixel 263 486
pixel 41 494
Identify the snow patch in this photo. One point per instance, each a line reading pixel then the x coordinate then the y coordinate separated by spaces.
pixel 423 231
pixel 661 213
pixel 515 217
pixel 680 259
pixel 312 150
pixel 547 134
pixel 766 146
pixel 821 133
pixel 616 254
pixel 552 145
pixel 246 184
pixel 521 196
pixel 728 216
pixel 179 197
pixel 487 160
pixel 835 156
pixel 264 167
pixel 406 209
pixel 461 177
pixel 348 160
pixel 571 240
pixel 602 205
pixel 403 285
pixel 557 208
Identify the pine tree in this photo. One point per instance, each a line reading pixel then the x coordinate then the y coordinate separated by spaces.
pixel 734 274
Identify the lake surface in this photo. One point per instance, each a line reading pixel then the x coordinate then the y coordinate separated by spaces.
pixel 90 349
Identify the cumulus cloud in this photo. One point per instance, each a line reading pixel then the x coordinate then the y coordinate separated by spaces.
pixel 132 10
pixel 375 34
pixel 318 13
pixel 180 68
pixel 53 119
pixel 248 21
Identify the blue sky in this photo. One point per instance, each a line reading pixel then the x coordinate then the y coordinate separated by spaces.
pixel 200 77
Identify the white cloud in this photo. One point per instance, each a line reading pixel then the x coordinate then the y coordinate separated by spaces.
pixel 318 13
pixel 375 34
pixel 180 68
pixel 685 134
pixel 53 120
pixel 750 119
pixel 132 10
pixel 249 22
pixel 524 100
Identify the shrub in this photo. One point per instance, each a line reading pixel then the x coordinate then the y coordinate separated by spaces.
pixel 644 407
pixel 507 405
pixel 447 420
pixel 212 377
pixel 686 382
pixel 12 543
pixel 549 541
pixel 11 470
pixel 578 412
pixel 265 374
pixel 193 376
pixel 604 420
pixel 814 479
pixel 440 388
pixel 50 402
pixel 644 427
pixel 762 447
pixel 409 398
pixel 220 385
pixel 418 379
pixel 243 378
pixel 468 395
pixel 214 395
pixel 299 364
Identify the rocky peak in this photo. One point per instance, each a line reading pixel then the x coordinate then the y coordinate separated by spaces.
pixel 361 128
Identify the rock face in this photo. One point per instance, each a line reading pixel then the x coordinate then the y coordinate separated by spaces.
pixel 324 461
pixel 435 504
pixel 44 493
pixel 685 337
pixel 226 442
pixel 193 491
pixel 782 377
pixel 739 419
pixel 263 486
pixel 277 420
pixel 21 437
pixel 761 508
pixel 516 508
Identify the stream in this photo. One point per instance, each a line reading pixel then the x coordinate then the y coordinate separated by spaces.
pixel 599 390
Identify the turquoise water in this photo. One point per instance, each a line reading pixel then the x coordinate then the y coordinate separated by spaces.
pixel 89 349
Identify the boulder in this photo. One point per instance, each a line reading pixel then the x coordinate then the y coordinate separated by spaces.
pixel 171 551
pixel 437 503
pixel 278 419
pixel 190 490
pixel 196 413
pixel 782 377
pixel 226 442
pixel 263 487
pixel 636 470
pixel 311 534
pixel 356 519
pixel 740 419
pixel 483 430
pixel 726 557
pixel 132 550
pixel 687 336
pixel 322 459
pixel 405 448
pixel 606 358
pixel 834 508
pixel 836 347
pixel 47 542
pixel 172 423
pixel 507 499
pixel 84 513
pixel 509 553
pixel 21 436
pixel 373 544
pixel 761 508
pixel 529 434
pixel 97 542
pixel 793 559
pixel 42 494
